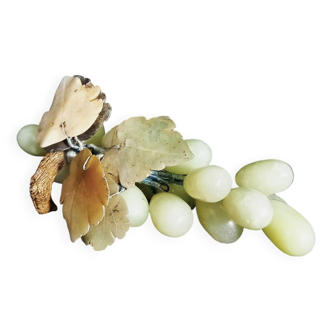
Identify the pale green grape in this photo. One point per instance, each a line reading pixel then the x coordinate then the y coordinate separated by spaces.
pixel 170 214
pixel 61 176
pixel 248 208
pixel 106 141
pixel 208 184
pixel 267 176
pixel 146 190
pixel 217 223
pixel 137 205
pixel 180 192
pixel 97 137
pixel 202 157
pixel 27 140
pixel 289 230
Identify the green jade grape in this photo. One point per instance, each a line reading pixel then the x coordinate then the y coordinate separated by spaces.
pixel 27 140
pixel 217 223
pixel 289 230
pixel 209 184
pixel 138 206
pixel 267 176
pixel 248 208
pixel 170 214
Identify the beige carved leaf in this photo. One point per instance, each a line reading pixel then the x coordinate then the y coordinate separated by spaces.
pixel 75 105
pixel 143 145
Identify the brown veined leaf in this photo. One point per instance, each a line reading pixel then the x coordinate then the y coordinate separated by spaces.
pixel 114 224
pixel 75 105
pixel 144 145
pixel 84 194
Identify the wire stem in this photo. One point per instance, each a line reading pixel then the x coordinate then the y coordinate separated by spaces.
pixel 162 179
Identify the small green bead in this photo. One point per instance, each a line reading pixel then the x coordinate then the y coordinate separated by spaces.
pixel 27 140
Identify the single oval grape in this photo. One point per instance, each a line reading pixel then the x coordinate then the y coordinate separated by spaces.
pixel 138 206
pixel 248 208
pixel 208 184
pixel 290 231
pixel 27 140
pixel 170 214
pixel 62 175
pixel 202 157
pixel 217 223
pixel 267 176
pixel 106 141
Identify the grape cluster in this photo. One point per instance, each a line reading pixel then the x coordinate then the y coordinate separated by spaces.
pixel 223 211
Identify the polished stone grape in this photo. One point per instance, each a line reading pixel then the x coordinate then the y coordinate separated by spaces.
pixel 27 140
